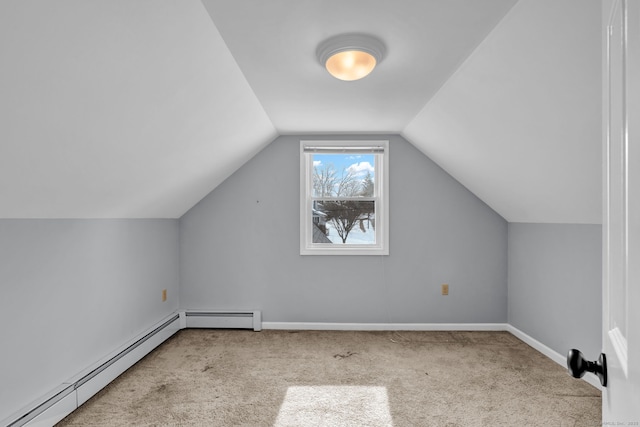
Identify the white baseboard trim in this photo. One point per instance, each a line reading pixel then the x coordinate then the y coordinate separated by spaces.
pixel 551 354
pixel 319 326
pixel 65 399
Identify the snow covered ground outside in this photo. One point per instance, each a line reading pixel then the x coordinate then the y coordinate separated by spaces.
pixel 356 236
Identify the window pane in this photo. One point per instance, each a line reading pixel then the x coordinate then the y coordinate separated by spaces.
pixel 350 222
pixel 343 175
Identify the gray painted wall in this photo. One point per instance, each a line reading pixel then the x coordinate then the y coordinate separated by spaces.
pixel 555 285
pixel 73 291
pixel 239 248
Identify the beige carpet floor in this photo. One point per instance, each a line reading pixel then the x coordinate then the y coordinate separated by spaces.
pixel 329 378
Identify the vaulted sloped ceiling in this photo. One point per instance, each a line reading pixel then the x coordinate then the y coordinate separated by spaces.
pixel 118 109
pixel 275 42
pixel 134 109
pixel 519 123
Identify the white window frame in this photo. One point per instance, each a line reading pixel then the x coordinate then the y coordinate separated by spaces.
pixel 381 196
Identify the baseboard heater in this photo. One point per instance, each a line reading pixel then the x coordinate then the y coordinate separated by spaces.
pixel 48 410
pixel 66 398
pixel 224 319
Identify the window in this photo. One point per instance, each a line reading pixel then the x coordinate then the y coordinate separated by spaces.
pixel 343 198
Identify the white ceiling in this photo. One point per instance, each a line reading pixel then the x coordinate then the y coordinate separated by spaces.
pixel 118 109
pixel 519 123
pixel 137 109
pixel 275 42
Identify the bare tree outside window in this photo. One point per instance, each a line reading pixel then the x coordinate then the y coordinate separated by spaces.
pixel 344 187
pixel 343 215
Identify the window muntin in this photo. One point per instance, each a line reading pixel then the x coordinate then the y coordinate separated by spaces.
pixel 343 197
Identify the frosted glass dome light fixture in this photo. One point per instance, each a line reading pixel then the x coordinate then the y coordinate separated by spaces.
pixel 350 56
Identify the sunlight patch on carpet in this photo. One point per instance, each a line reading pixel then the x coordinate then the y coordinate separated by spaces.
pixel 335 406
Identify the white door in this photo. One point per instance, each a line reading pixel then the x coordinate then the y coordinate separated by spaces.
pixel 621 222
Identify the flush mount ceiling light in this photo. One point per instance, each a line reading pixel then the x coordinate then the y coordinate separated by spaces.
pixel 350 56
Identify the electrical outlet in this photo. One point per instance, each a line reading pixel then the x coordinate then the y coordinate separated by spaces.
pixel 164 295
pixel 445 289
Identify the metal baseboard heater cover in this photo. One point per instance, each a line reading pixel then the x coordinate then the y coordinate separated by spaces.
pixel 71 395
pixel 230 319
pixel 66 398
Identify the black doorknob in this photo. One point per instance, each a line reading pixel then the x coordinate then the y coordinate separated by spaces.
pixel 578 366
